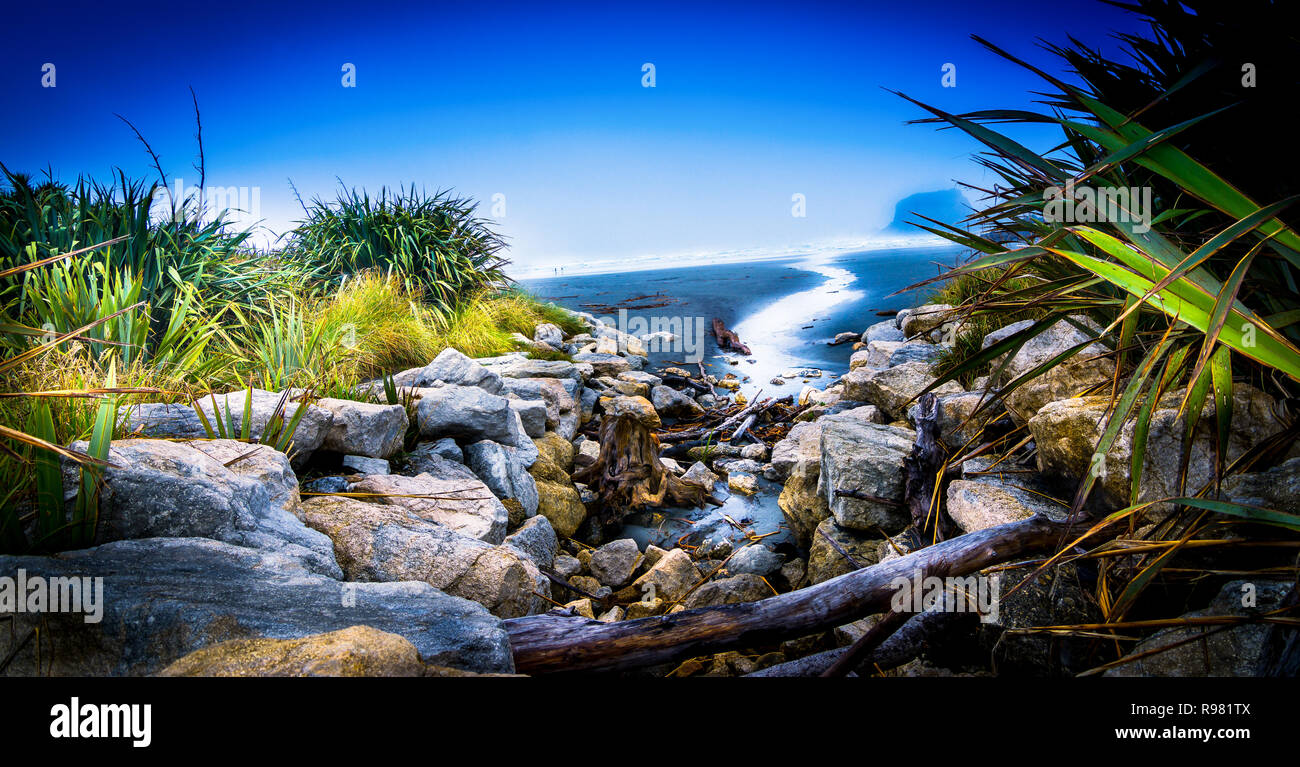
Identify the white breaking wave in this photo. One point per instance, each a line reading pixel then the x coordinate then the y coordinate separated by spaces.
pixel 675 260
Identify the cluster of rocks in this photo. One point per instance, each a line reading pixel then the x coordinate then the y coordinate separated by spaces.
pixel 394 539
pixel 854 437
pixel 207 540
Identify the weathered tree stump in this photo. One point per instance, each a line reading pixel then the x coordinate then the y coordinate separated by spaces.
pixel 627 476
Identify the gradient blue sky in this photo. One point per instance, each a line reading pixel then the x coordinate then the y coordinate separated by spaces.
pixel 542 103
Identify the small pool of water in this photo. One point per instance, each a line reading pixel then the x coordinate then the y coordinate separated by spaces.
pixel 757 514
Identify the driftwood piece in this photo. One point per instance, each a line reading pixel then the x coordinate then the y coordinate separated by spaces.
pixel 628 474
pixel 704 432
pixel 905 644
pixel 544 644
pixel 727 339
pixel 922 469
pixel 869 641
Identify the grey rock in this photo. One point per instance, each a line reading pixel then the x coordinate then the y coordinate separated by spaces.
pixel 567 566
pixel 915 351
pixel 452 367
pixel 466 412
pixel 1071 378
pixel 924 318
pixel 1231 652
pixel 893 389
pixel 462 504
pixel 825 561
pixel 426 458
pixel 802 441
pixel 674 404
pixel 1066 434
pixel 536 540
pixel 744 587
pixel 561 398
pixel 363 465
pixel 363 428
pixel 988 502
pixel 155 614
pixel 226 490
pixel 614 563
pixel 503 470
pixel 549 334
pixel 883 331
pixel 606 364
pixel 864 457
pixel 532 414
pixel 384 542
pixel 755 559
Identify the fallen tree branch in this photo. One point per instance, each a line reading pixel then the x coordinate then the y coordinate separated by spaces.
pixel 547 644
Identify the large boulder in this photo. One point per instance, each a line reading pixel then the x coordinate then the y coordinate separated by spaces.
pixel 860 457
pixel 549 334
pixel 1085 370
pixel 668 579
pixel 452 367
pixel 925 318
pixel 913 351
pixel 467 413
pixel 755 559
pixel 353 651
pixel 674 404
pixel 802 504
pixel 160 420
pixel 557 499
pixel 883 331
pixel 163 598
pixel 825 560
pixel 518 366
pixel 503 470
pixel 801 442
pixel 364 428
pixel 464 505
pixel 1066 434
pixel 893 389
pixel 1201 651
pixel 220 489
pixel 614 563
pixel 532 415
pixel 383 542
pixel 560 396
pixel 535 539
pixel 1276 488
pixel 605 364
pixel 989 502
pixel 437 458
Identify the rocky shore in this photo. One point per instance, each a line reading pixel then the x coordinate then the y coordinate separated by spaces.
pixel 407 539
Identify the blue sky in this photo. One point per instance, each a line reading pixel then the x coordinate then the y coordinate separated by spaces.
pixel 541 103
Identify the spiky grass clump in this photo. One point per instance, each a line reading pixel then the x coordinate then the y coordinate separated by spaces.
pixel 434 243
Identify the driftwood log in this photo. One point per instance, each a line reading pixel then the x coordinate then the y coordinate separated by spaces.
pixel 547 643
pixel 727 339
pixel 628 474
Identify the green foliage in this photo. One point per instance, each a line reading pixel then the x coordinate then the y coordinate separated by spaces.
pixel 1196 294
pixel 433 243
